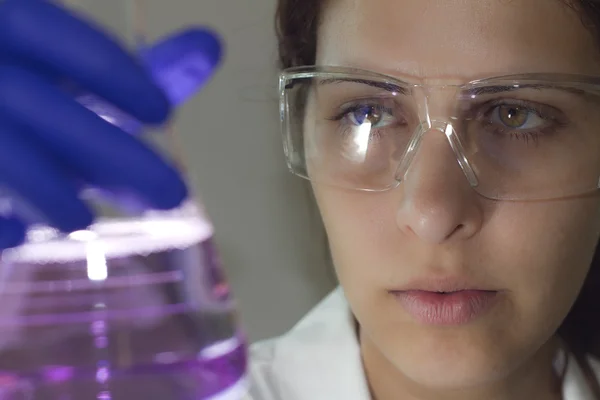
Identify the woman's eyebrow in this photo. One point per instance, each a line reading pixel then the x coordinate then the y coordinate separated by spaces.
pixel 387 86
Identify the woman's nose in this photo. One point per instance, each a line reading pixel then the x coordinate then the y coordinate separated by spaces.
pixel 438 204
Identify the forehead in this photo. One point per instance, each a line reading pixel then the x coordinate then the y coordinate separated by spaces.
pixel 456 39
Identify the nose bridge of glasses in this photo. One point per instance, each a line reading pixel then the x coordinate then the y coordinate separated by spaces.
pixel 436 102
pixel 431 126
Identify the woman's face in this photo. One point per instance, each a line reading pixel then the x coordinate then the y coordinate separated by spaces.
pixel 534 255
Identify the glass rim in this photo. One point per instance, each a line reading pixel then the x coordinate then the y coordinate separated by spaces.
pixel 580 81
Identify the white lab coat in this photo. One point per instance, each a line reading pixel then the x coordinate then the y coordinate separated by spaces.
pixel 319 359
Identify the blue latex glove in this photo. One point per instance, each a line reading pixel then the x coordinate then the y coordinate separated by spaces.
pixel 49 141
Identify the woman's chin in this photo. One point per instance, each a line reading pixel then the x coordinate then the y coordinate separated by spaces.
pixel 452 375
pixel 453 366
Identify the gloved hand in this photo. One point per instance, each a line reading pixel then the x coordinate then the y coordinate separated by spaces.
pixel 50 144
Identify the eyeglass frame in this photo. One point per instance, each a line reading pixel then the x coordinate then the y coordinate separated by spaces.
pixel 580 82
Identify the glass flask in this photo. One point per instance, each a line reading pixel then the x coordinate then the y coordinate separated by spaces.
pixel 135 307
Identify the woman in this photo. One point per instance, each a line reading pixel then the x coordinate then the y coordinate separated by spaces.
pixel 461 207
pixel 457 278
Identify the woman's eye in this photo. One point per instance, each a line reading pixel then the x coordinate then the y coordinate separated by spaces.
pixel 516 117
pixel 376 117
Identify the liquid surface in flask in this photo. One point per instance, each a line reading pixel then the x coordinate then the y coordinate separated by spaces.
pixel 129 309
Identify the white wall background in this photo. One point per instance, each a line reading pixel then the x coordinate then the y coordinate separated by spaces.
pixel 270 241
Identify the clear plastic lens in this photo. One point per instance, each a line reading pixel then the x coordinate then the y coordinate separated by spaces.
pixel 515 137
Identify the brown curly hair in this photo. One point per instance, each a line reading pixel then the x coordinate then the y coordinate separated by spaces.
pixel 296 27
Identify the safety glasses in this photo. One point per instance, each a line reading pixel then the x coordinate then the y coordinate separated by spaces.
pixel 518 137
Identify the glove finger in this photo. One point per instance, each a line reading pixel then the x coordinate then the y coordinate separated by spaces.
pixel 12 232
pixel 72 47
pixel 37 184
pixel 95 150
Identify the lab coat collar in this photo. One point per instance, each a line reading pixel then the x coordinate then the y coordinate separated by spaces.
pixel 321 358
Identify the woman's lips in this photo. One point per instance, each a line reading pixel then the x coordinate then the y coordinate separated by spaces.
pixel 452 308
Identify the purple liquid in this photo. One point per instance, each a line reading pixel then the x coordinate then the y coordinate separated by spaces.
pixel 130 310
